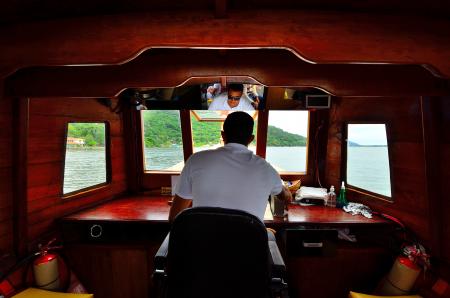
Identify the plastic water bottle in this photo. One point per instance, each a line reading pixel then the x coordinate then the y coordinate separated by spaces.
pixel 331 200
pixel 342 199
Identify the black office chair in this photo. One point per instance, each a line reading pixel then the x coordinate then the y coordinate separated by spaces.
pixel 217 252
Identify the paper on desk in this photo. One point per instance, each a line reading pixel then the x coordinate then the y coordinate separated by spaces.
pixel 311 193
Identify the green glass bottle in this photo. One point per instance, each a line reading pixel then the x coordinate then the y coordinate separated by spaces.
pixel 342 199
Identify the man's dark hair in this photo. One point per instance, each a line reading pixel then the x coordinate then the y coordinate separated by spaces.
pixel 238 128
pixel 236 87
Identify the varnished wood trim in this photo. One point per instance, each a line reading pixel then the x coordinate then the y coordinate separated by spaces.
pixel 431 134
pixel 86 191
pixel 21 112
pixel 177 65
pixel 186 133
pixel 261 133
pixel 132 125
pixel 369 193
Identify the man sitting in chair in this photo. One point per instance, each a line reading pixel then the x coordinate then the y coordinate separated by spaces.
pixel 230 176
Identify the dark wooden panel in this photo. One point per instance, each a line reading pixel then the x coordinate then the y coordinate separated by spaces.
pixel 154 181
pixel 43 191
pixel 99 39
pixel 6 214
pixel 6 152
pixel 400 159
pixel 75 108
pixel 403 119
pixel 6 242
pixel 5 121
pixel 45 166
pixel 6 197
pixel 354 268
pixel 126 270
pixel 55 204
pixel 445 178
pixel 43 218
pixel 6 226
pixel 444 161
pixel 21 111
pixel 5 186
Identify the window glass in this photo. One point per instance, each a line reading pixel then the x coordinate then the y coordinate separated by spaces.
pixel 287 140
pixel 368 158
pixel 206 128
pixel 163 147
pixel 85 159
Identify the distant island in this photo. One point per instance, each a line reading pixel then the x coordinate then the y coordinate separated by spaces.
pixel 353 144
pixel 162 130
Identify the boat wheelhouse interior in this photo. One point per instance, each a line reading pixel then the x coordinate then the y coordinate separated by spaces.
pixel 102 103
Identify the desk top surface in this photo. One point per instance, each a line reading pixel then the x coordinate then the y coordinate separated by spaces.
pixel 156 209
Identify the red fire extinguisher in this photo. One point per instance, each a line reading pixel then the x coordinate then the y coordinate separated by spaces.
pixel 45 268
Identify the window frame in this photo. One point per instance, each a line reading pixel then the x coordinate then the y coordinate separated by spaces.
pixel 308 139
pixel 152 181
pixel 142 143
pixel 98 186
pixel 344 160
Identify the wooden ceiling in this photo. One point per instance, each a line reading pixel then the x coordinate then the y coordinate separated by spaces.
pixel 26 10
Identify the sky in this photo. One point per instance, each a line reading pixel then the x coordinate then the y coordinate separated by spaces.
pixel 367 134
pixel 290 121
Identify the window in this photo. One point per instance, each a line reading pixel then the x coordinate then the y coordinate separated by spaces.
pixel 368 158
pixel 287 140
pixel 163 147
pixel 85 160
pixel 206 128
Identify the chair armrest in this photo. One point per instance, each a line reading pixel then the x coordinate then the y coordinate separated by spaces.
pixel 161 255
pixel 278 266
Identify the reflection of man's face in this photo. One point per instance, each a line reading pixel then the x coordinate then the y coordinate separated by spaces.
pixel 233 98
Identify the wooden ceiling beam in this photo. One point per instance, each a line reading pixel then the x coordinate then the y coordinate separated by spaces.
pixel 320 37
pixel 272 67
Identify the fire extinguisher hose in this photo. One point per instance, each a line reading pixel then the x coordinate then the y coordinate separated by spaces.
pixel 18 265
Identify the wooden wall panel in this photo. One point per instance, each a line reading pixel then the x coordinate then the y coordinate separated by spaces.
pixel 351 269
pixel 46 159
pixel 6 223
pixel 444 159
pixel 113 271
pixel 403 119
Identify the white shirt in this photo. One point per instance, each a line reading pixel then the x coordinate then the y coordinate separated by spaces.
pixel 229 177
pixel 220 103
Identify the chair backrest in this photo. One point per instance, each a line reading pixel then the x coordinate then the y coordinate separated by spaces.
pixel 216 252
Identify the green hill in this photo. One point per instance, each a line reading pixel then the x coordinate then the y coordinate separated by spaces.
pixel 92 133
pixel 276 137
pixel 162 130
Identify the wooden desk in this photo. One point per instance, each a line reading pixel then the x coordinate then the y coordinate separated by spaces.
pixel 132 229
pixel 156 210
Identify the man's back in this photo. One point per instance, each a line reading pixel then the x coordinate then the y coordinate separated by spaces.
pixel 229 177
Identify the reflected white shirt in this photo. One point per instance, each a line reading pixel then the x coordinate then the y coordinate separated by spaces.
pixel 220 103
